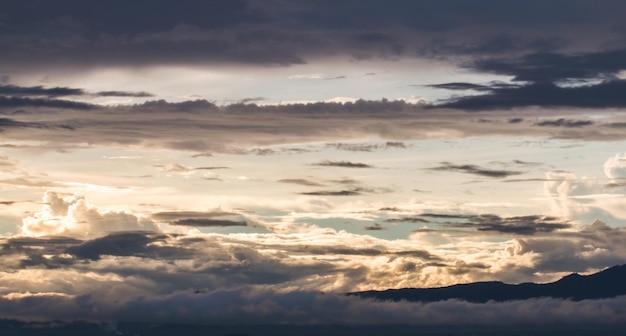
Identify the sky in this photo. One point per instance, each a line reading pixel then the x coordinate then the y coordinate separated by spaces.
pixel 230 161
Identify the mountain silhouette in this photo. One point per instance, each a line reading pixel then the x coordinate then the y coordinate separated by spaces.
pixel 608 283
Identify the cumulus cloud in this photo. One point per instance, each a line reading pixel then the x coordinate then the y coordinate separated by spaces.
pixel 72 215
pixel 615 167
pixel 586 199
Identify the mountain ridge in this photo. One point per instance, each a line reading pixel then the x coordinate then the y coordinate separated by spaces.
pixel 607 283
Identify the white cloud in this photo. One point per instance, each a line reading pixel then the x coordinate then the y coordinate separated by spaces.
pixel 615 166
pixel 72 215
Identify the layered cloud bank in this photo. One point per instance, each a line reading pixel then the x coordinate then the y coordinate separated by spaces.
pixel 251 307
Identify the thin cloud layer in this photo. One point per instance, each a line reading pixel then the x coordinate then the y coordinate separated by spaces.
pixel 476 170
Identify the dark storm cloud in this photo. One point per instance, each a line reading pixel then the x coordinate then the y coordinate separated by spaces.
pixel 75 33
pixel 344 164
pixel 475 170
pixel 555 67
pixel 117 16
pixel 603 95
pixel 549 79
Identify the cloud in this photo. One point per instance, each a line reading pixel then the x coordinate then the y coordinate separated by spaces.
pixel 31 181
pixel 185 126
pixel 550 67
pixel 374 227
pixel 137 244
pixel 615 166
pixel 475 170
pixel 518 225
pixel 344 164
pixel 302 182
pixel 406 220
pixel 124 94
pixel 179 168
pixel 201 222
pixel 72 215
pixel 594 246
pixel 201 219
pixel 12 90
pixel 354 192
pixel 43 102
pixel 547 79
pixel 564 123
pixel 255 32
pixel 603 95
pixel 585 199
pixel 6 123
pixel 365 147
pixel 250 307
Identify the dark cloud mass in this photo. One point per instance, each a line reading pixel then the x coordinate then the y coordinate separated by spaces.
pixel 12 90
pixel 126 244
pixel 279 32
pixel 43 102
pixel 585 80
